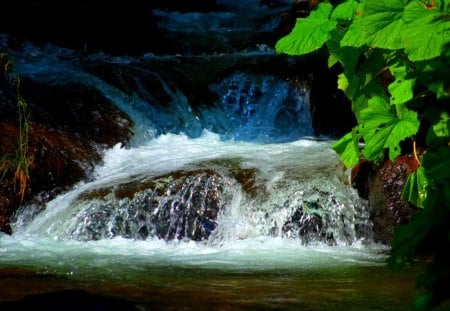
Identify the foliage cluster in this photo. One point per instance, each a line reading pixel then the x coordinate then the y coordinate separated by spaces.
pixel 394 56
pixel 16 165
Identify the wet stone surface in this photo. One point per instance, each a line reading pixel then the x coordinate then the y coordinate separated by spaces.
pixel 185 208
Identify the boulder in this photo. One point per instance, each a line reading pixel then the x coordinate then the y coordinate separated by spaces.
pixel 383 186
pixel 180 206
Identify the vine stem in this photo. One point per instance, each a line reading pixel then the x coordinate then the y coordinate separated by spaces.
pixel 415 152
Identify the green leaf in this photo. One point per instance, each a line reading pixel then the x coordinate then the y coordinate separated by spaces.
pixel 309 34
pixel 342 82
pixel 345 10
pixel 347 56
pixel 442 128
pixel 402 88
pixel 401 91
pixel 365 83
pixel 381 128
pixel 427 31
pixel 382 23
pixel 354 36
pixel 415 190
pixel 347 148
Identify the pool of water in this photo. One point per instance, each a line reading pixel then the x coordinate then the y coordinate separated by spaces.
pixel 253 274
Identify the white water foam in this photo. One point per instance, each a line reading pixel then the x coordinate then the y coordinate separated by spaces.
pixel 303 174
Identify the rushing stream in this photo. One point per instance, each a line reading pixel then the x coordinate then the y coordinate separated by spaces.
pixel 235 205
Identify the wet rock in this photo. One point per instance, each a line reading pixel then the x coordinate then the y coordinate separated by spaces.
pixel 319 215
pixel 388 209
pixel 361 176
pixel 382 187
pixel 70 126
pixel 307 226
pixel 182 206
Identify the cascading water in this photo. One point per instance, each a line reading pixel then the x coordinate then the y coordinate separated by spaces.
pixel 214 191
pixel 223 199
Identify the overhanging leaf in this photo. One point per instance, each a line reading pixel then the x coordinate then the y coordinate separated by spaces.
pixel 382 23
pixel 427 31
pixel 345 10
pixel 401 90
pixel 382 129
pixel 309 34
pixel 348 56
pixel 347 148
pixel 354 36
pixel 415 190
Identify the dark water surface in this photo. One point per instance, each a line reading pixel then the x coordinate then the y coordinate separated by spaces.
pixel 349 288
pixel 255 274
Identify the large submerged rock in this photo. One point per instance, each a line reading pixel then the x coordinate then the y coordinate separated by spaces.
pixel 172 208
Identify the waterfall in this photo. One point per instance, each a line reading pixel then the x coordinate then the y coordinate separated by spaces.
pixel 213 191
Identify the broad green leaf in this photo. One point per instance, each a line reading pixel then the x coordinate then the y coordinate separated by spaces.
pixel 415 190
pixel 382 129
pixel 401 91
pixel 382 23
pixel 347 56
pixel 345 10
pixel 427 31
pixel 399 68
pixel 347 148
pixel 354 36
pixel 334 47
pixel 309 34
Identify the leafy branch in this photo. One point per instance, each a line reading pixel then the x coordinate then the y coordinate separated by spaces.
pixel 394 58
